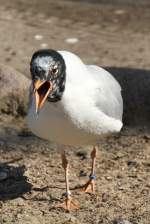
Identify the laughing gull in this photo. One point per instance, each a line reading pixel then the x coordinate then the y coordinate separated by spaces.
pixel 72 103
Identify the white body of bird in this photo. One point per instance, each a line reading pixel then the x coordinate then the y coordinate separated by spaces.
pixel 91 106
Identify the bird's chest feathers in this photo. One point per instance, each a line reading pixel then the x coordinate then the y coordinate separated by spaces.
pixel 60 122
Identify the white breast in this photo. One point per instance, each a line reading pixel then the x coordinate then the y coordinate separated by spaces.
pixel 55 125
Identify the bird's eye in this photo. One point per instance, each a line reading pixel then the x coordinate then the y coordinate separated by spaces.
pixel 54 71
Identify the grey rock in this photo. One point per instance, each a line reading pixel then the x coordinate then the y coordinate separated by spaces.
pixel 3 175
pixel 14 88
pixel 121 221
pixel 11 172
pixel 135 91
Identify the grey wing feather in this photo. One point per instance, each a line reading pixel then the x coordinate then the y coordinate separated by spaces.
pixel 108 92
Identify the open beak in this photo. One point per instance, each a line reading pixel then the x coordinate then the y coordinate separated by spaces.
pixel 41 90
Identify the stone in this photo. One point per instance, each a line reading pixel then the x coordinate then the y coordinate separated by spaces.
pixel 121 221
pixel 14 91
pixel 135 92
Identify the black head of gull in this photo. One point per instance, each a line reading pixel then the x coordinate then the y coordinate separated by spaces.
pixel 48 71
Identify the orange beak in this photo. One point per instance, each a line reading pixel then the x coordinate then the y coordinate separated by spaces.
pixel 41 90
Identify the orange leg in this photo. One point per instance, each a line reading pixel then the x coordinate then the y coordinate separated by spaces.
pixel 89 187
pixel 68 204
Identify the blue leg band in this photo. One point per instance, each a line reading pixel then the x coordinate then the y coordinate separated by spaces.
pixel 66 194
pixel 92 177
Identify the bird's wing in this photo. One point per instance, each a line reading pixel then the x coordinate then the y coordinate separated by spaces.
pixel 108 92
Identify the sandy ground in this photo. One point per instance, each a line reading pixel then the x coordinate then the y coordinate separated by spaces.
pixel 107 35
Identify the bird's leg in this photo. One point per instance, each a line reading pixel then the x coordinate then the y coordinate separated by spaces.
pixel 89 187
pixel 68 204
